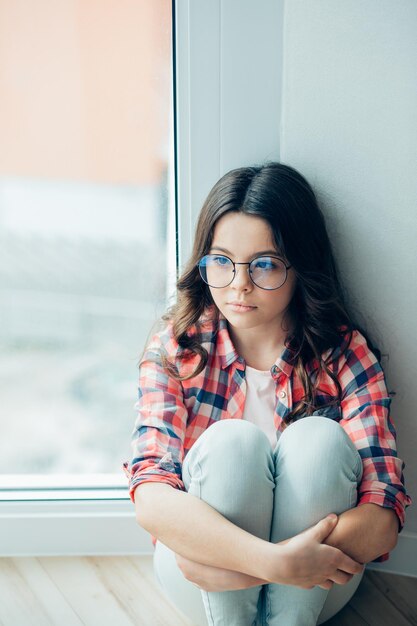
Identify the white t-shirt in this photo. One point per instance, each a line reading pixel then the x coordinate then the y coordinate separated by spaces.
pixel 260 402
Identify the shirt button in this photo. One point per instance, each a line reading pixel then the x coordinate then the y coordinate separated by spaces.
pixel 282 394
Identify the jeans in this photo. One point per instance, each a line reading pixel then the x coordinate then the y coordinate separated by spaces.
pixel 314 470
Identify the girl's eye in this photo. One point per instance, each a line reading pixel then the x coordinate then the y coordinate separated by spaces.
pixel 264 264
pixel 220 260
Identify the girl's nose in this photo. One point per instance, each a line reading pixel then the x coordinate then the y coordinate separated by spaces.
pixel 241 279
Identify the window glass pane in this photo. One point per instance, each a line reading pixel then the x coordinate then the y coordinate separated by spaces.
pixel 86 224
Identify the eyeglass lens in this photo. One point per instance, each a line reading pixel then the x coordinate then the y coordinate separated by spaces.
pixel 266 272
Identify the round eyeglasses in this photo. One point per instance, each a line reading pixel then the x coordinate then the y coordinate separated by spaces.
pixel 266 272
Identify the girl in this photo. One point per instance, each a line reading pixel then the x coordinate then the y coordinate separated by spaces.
pixel 235 486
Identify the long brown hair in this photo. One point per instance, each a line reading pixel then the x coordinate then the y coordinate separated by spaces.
pixel 280 195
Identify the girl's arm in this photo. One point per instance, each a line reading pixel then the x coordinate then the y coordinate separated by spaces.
pixel 198 532
pixel 193 529
pixel 216 578
pixel 212 578
pixel 365 532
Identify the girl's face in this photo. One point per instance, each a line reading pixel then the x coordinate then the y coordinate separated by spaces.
pixel 242 238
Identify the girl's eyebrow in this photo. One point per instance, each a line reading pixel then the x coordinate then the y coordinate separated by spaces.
pixel 256 254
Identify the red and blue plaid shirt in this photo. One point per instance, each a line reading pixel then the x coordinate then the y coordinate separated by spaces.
pixel 173 414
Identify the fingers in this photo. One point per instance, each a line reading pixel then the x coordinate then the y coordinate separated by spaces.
pixel 350 566
pixel 341 578
pixel 338 578
pixel 327 585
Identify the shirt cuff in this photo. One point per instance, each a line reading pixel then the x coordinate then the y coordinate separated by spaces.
pixel 151 476
pixel 379 496
pixel 375 494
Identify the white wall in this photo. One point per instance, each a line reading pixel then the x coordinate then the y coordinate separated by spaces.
pixel 349 124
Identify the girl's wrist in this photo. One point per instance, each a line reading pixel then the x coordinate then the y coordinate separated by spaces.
pixel 276 563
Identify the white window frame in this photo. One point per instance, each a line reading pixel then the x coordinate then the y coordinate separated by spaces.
pixel 228 114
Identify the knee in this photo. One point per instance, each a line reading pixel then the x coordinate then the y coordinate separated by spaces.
pixel 237 438
pixel 320 433
pixel 316 438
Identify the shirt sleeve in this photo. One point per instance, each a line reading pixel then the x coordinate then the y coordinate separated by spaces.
pixel 365 410
pixel 159 430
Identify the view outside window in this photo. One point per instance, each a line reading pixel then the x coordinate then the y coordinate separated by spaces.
pixel 86 224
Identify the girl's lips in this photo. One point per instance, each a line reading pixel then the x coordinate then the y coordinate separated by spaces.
pixel 240 308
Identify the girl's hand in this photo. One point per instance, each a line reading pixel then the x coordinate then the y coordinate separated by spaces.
pixel 308 562
pixel 211 578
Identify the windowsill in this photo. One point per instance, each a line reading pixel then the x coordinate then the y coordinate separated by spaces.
pixel 29 487
pixel 73 515
pixel 24 495
pixel 68 514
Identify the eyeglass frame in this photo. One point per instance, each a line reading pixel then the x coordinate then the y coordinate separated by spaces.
pixel 249 263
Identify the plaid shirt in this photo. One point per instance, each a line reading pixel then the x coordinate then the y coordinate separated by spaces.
pixel 173 414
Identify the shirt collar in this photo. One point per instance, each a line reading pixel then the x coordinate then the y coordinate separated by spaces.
pixel 228 354
pixel 225 348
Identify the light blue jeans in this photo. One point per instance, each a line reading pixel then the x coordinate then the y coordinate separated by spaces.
pixel 314 470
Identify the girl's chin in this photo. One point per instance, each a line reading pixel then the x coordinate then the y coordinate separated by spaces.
pixel 241 321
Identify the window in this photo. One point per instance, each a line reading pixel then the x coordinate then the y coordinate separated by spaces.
pixel 86 229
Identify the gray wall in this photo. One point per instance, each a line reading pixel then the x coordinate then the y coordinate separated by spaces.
pixel 349 121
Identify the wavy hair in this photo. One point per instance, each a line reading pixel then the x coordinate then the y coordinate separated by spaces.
pixel 280 195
